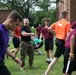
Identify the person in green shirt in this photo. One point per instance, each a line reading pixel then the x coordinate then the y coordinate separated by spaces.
pixel 37 44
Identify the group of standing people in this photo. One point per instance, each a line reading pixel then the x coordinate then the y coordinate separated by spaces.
pixel 22 38
pixel 65 46
pixel 13 22
pixel 65 43
pixel 63 33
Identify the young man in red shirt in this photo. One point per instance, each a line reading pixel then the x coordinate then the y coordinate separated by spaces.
pixel 16 39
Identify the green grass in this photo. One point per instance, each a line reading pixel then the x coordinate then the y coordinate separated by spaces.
pixel 39 61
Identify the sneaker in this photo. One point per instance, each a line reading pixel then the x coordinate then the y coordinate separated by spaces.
pixel 49 62
pixel 50 59
pixel 39 52
pixel 21 68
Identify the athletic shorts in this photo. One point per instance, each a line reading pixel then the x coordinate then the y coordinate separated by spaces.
pixel 60 47
pixel 3 69
pixel 16 42
pixel 48 44
pixel 72 66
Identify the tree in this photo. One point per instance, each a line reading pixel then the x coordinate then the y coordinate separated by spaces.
pixel 57 1
pixel 27 8
pixel 22 6
pixel 40 15
pixel 44 5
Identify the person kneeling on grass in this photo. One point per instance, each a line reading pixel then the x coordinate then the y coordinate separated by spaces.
pixel 37 43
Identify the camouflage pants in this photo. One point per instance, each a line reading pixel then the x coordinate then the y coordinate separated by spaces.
pixel 26 48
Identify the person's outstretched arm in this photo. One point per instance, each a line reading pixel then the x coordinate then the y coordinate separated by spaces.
pixel 17 60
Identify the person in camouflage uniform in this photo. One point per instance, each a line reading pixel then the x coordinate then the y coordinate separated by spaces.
pixel 26 48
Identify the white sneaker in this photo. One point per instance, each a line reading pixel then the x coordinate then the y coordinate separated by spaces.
pixel 47 60
pixel 50 59
pixel 21 68
pixel 40 52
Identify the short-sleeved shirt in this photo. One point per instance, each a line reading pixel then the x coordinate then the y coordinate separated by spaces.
pixel 47 35
pixel 36 40
pixel 17 31
pixel 61 28
pixel 73 25
pixel 28 30
pixel 38 29
pixel 4 38
pixel 67 43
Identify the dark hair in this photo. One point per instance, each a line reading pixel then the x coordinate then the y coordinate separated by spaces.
pixel 14 15
pixel 64 14
pixel 47 19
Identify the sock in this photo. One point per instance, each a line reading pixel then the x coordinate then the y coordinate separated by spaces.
pixel 47 59
pixel 50 59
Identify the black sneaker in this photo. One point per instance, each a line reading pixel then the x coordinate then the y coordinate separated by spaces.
pixel 49 62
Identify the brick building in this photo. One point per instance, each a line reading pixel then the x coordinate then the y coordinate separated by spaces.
pixel 3 15
pixel 68 5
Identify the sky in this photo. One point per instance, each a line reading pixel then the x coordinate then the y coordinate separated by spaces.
pixel 52 5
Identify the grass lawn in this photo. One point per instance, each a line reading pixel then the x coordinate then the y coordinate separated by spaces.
pixel 39 61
